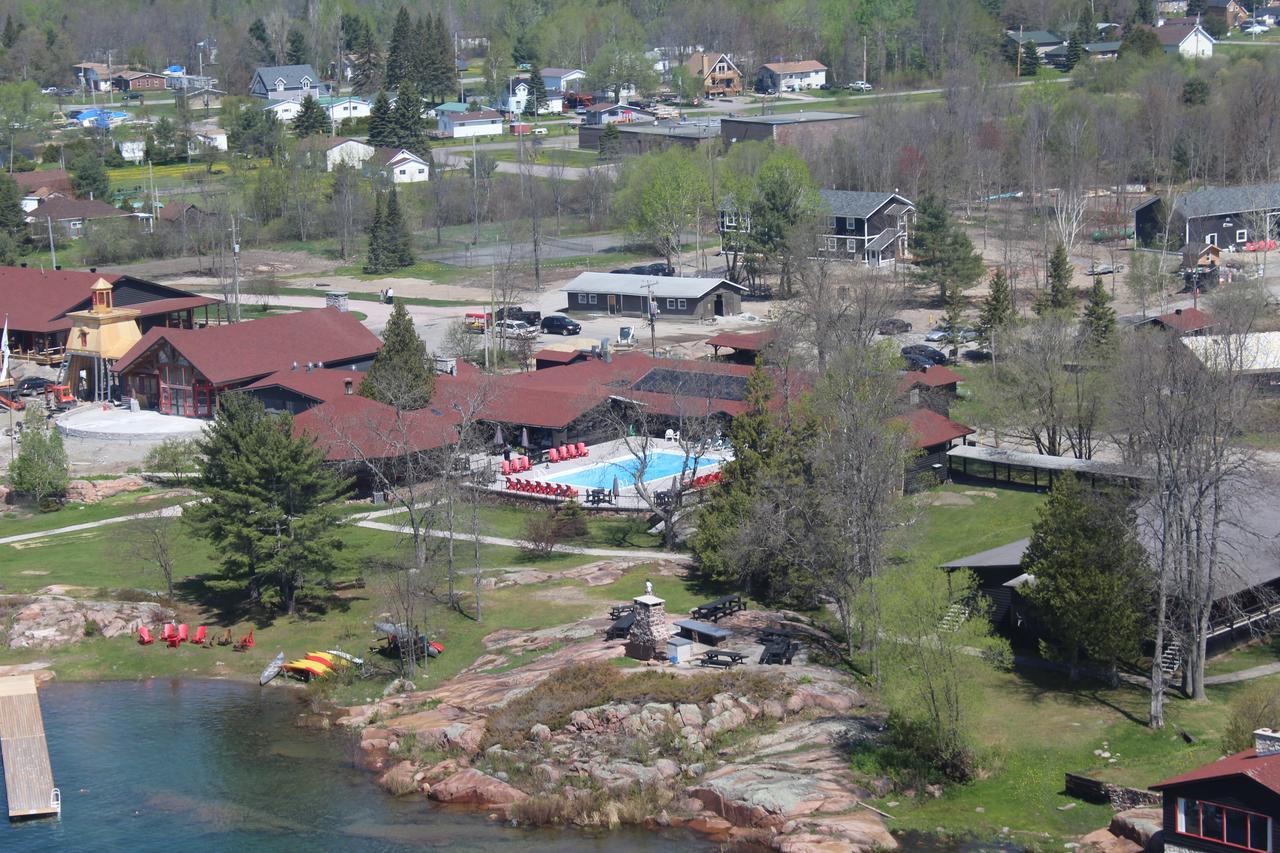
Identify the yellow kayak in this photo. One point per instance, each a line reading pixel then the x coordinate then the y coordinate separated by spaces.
pixel 307 668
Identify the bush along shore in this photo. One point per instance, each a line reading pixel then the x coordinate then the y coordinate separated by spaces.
pixel 581 737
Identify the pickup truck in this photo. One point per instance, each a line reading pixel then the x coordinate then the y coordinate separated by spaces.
pixel 515 312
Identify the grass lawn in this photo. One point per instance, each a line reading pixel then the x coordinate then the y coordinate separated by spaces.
pixel 1264 651
pixel 946 532
pixel 508 522
pixel 24 519
pixel 574 157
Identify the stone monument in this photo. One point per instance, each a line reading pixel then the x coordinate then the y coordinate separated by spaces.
pixel 649 633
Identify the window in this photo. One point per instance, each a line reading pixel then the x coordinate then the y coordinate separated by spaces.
pixel 403 172
pixel 853 245
pixel 831 244
pixel 671 304
pixel 582 299
pixel 1235 827
pixel 730 220
pixel 1242 235
pixel 591 297
pixel 681 304
pixel 421 170
pixel 1211 239
pixel 831 222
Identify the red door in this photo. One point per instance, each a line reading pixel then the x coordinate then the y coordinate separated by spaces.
pixel 164 399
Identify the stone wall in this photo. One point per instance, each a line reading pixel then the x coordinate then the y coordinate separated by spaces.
pixel 1119 797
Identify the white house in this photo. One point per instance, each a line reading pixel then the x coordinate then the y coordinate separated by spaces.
pixel 563 79
pixel 1185 37
pixel 401 166
pixel 341 109
pixel 285 111
pixel 516 98
pixel 352 152
pixel 601 114
pixel 791 76
pixel 133 150
pixel 468 123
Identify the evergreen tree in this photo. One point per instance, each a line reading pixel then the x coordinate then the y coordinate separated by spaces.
pixel 366 71
pixel 11 32
pixel 1059 296
pixel 376 258
pixel 1141 41
pixel 271 512
pixel 398 245
pixel 1144 12
pixel 382 131
pixel 1099 316
pixel 942 251
pixel 1195 8
pixel 311 119
pixel 1195 92
pixel 400 375
pixel 409 129
pixel 997 312
pixel 610 142
pixel 400 51
pixel 89 176
pixel 41 468
pixel 258 34
pixel 444 61
pixel 12 216
pixel 1030 59
pixel 537 101
pixel 1091 577
pixel 296 49
pixel 1075 51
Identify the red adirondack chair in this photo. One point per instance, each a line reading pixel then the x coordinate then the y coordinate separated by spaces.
pixel 245 643
pixel 199 638
pixel 582 449
pixel 554 454
pixel 144 636
pixel 183 633
pixel 169 630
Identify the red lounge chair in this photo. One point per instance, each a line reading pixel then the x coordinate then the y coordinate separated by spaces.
pixel 144 636
pixel 525 464
pixel 198 639
pixel 170 630
pixel 582 449
pixel 566 452
pixel 506 468
pixel 245 643
pixel 553 455
pixel 182 633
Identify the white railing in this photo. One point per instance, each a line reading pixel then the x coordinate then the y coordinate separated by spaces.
pixel 55 800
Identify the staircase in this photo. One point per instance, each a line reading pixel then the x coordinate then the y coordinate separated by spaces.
pixel 954 617
pixel 1171 657
pixel 63 369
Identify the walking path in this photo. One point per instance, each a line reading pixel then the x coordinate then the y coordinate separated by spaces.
pixel 1244 674
pixel 169 511
pixel 564 549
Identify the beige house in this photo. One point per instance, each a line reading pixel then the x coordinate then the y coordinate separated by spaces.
pixel 717 72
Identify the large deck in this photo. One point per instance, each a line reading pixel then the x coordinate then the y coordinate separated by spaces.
pixel 28 777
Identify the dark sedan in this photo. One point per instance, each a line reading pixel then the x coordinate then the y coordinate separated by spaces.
pixel 34 385
pixel 558 324
pixel 933 355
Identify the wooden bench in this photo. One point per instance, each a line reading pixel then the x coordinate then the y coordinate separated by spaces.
pixel 716 610
pixel 619 610
pixel 720 658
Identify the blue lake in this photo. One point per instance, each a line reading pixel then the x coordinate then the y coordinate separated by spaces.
pixel 167 765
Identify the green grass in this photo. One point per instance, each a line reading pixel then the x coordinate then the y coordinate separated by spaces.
pixel 1264 651
pixel 943 533
pixel 24 519
pixel 508 522
pixel 573 157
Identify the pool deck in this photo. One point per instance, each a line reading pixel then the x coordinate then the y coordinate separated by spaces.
pixel 28 776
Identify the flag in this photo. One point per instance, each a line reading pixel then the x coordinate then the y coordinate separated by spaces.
pixel 4 349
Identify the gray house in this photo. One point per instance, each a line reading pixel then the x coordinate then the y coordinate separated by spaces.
pixel 680 298
pixel 285 83
pixel 1225 217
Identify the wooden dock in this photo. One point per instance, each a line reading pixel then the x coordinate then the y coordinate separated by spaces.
pixel 28 777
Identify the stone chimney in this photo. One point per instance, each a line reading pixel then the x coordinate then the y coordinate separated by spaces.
pixel 650 631
pixel 1266 742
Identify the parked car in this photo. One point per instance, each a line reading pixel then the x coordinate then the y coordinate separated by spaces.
pixel 945 334
pixel 893 326
pixel 516 329
pixel 515 312
pixel 558 324
pixel 49 90
pixel 1104 269
pixel 858 86
pixel 658 269
pixel 539 131
pixel 66 92
pixel 934 355
pixel 826 87
pixel 917 362
pixel 580 111
pixel 1256 30
pixel 31 385
pixel 979 355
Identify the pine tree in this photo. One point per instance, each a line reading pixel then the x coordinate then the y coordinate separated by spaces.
pixel 423 44
pixel 12 216
pixel 1099 316
pixel 382 131
pixel 409 129
pixel 295 52
pixel 537 94
pixel 400 54
pixel 376 259
pixel 400 375
pixel 11 32
pixel 1075 51
pixel 89 176
pixel 258 33
pixel 943 253
pixel 445 60
pixel 997 313
pixel 311 119
pixel 610 142
pixel 398 245
pixel 1030 59
pixel 271 510
pixel 1091 575
pixel 366 72
pixel 1059 296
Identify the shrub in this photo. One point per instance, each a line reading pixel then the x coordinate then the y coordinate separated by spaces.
pixel 541 532
pixel 572 520
pixel 1255 707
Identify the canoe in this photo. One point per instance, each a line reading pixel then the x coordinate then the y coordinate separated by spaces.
pixel 272 669
pixel 326 659
pixel 307 669
pixel 346 657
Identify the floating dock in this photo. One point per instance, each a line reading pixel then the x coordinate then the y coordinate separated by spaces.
pixel 28 777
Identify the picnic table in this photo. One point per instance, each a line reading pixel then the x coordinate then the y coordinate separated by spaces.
pixel 596 497
pixel 721 658
pixel 779 651
pixel 768 635
pixel 621 626
pixel 618 610
pixel 725 605
pixel 702 632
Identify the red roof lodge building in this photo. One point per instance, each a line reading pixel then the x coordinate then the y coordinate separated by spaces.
pixel 182 371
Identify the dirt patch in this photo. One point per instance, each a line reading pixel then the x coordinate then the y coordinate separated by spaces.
pixel 979 494
pixel 949 499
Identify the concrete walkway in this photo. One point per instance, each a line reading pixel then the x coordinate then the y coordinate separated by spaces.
pixel 512 543
pixel 167 512
pixel 1244 674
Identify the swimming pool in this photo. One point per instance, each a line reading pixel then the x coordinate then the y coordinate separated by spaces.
pixel 661 466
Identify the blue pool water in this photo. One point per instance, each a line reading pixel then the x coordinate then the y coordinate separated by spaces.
pixel 661 466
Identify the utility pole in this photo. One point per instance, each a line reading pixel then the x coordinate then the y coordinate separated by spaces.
pixel 1018 73
pixel 864 59
pixel 235 269
pixel 653 322
pixel 53 250
pixel 475 193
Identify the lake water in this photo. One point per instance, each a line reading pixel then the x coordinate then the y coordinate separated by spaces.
pixel 166 765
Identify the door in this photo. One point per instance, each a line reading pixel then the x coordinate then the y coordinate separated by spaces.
pixel 719 304
pixel 165 402
pixel 613 304
pixel 1211 239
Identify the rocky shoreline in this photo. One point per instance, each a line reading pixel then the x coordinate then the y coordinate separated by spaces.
pixel 770 771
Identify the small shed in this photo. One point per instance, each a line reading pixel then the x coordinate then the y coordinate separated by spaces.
pixel 553 357
pixel 702 632
pixel 745 345
pixel 672 297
